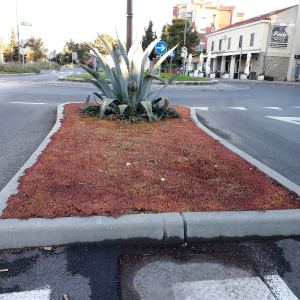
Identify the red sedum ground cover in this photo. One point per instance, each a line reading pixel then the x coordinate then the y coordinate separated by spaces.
pixel 84 172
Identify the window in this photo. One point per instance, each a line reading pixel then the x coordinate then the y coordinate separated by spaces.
pixel 212 45
pixel 241 41
pixel 229 43
pixel 252 39
pixel 220 45
pixel 197 47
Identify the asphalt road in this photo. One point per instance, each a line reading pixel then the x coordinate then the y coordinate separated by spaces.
pixel 204 271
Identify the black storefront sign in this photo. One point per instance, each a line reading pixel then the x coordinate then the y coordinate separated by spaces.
pixel 279 36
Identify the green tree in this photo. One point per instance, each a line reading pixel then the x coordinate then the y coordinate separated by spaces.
pixel 12 52
pixel 148 38
pixel 83 57
pixel 38 47
pixel 174 34
pixel 80 49
pixel 101 47
pixel 3 46
pixel 30 54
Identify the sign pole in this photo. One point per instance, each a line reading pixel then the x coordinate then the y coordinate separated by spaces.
pixel 160 64
pixel 50 59
pixel 171 65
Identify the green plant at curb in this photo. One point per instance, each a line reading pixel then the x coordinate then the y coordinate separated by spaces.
pixel 130 89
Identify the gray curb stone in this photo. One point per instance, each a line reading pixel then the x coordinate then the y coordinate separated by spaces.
pixel 167 228
pixel 62 78
pixel 19 74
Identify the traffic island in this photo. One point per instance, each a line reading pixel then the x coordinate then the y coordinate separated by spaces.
pixel 190 188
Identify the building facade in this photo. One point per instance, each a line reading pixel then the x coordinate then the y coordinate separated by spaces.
pixel 206 17
pixel 271 40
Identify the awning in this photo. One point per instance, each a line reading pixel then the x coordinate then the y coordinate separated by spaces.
pixel 238 52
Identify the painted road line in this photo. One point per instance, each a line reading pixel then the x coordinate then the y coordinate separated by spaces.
pixel 229 289
pixel 62 72
pixel 32 295
pixel 273 108
pixel 293 120
pixel 279 289
pixel 25 103
pixel 78 73
pixel 296 106
pixel 240 108
pixel 201 108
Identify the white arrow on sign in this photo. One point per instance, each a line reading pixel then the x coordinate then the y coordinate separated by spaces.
pixel 162 47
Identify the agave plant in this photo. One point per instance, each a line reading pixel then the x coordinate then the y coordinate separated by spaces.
pixel 129 96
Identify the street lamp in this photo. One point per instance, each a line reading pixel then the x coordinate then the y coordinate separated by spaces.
pixel 129 25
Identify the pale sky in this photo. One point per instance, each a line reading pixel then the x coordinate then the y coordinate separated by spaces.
pixel 57 21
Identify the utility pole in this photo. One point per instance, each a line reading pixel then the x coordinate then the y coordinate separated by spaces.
pixel 184 40
pixel 18 33
pixel 129 25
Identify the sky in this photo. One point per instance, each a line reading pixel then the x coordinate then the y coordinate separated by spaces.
pixel 61 20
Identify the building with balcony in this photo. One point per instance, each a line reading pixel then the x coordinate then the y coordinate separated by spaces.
pixel 272 40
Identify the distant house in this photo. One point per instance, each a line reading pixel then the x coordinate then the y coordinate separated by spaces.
pixel 206 18
pixel 272 40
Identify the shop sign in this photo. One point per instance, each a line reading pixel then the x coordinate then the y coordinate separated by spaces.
pixel 279 36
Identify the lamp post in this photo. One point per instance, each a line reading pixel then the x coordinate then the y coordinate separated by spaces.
pixel 129 25
pixel 184 40
pixel 18 32
pixel 11 51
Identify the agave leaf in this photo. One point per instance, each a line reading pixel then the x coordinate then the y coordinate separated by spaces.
pixel 150 93
pixel 161 60
pixel 108 70
pixel 151 46
pixel 168 82
pixel 108 47
pixel 122 108
pixel 96 84
pixel 105 104
pixel 122 72
pixel 159 78
pixel 145 87
pixel 87 101
pixel 105 87
pixel 148 106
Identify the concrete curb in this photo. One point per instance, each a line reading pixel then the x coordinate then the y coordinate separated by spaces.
pixel 62 78
pixel 168 228
pixel 19 74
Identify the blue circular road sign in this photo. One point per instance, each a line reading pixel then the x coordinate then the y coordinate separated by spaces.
pixel 161 48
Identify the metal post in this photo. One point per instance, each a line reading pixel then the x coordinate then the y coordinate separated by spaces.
pixel 18 33
pixel 160 64
pixel 184 40
pixel 129 25
pixel 171 65
pixel 23 54
pixel 50 59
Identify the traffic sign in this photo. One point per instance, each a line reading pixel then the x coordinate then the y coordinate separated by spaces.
pixel 172 54
pixel 161 47
pixel 25 23
pixel 184 49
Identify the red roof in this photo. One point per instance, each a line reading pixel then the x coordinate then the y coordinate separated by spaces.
pixel 257 18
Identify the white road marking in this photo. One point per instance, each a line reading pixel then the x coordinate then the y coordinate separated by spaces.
pixel 78 73
pixel 291 86
pixel 296 106
pixel 201 108
pixel 240 108
pixel 273 108
pixel 293 120
pixel 62 72
pixel 53 72
pixel 279 288
pixel 32 295
pixel 228 289
pixel 26 103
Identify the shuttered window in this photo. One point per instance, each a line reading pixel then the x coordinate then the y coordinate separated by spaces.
pixel 229 43
pixel 212 45
pixel 220 45
pixel 252 39
pixel 241 41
